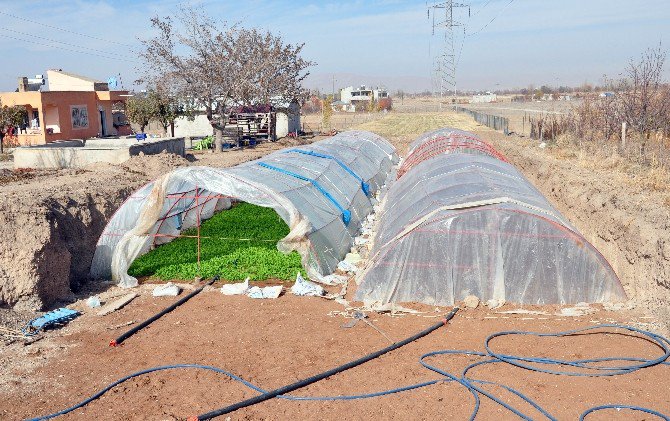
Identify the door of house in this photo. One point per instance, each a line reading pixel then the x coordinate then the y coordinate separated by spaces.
pixel 103 124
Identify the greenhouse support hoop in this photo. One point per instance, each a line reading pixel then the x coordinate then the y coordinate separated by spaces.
pixel 364 186
pixel 346 214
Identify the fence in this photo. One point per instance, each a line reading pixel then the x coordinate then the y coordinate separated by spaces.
pixel 493 121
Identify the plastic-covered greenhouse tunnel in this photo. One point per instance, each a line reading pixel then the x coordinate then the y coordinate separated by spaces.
pixel 457 220
pixel 460 220
pixel 322 191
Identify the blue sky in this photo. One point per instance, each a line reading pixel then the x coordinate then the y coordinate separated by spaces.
pixel 522 42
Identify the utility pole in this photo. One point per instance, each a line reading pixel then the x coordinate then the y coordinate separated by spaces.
pixel 445 64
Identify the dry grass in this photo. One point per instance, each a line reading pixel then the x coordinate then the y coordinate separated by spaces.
pixel 402 128
pixel 399 128
pixel 339 121
pixel 619 168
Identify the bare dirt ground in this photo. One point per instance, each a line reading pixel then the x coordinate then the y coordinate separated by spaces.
pixel 276 342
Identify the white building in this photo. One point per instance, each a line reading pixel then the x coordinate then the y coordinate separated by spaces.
pixel 487 97
pixel 351 95
pixel 286 115
pixel 288 118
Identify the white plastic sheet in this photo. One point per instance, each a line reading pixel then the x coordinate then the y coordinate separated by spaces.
pixel 163 208
pixel 462 224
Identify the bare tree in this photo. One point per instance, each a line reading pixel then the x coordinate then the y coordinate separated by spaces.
pixel 642 95
pixel 214 66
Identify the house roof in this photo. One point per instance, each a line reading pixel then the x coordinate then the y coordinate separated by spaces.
pixel 87 79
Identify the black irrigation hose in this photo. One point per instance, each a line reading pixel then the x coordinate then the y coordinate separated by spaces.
pixel 302 383
pixel 157 316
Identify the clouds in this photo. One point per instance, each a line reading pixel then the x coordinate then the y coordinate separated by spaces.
pixel 532 41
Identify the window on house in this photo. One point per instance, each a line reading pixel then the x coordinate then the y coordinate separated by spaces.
pixel 35 122
pixel 79 115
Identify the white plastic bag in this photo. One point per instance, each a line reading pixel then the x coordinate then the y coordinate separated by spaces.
pixel 347 267
pixel 304 287
pixel 93 301
pixel 267 292
pixel 239 288
pixel 167 290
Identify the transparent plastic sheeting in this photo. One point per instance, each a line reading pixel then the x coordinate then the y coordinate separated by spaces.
pixel 311 205
pixel 460 224
pixel 442 141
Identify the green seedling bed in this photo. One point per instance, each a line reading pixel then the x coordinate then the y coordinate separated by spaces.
pixel 237 243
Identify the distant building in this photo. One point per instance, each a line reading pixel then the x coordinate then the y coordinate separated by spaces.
pixel 68 107
pixel 362 94
pixel 287 117
pixel 485 98
pixel 343 106
pixel 283 117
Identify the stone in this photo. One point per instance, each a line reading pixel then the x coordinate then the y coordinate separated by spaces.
pixel 494 303
pixel 471 301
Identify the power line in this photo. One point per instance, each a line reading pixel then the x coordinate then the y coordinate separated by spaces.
pixel 61 42
pixel 68 49
pixel 458 60
pixel 482 8
pixel 491 21
pixel 64 30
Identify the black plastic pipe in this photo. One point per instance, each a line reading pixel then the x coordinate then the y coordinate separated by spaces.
pixel 157 316
pixel 302 383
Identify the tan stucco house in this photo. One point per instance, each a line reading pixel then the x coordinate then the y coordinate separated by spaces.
pixel 73 107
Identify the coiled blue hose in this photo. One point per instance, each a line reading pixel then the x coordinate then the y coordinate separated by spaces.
pixel 617 407
pixel 474 386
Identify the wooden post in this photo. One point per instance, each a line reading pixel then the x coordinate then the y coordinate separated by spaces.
pixel 197 207
pixel 623 135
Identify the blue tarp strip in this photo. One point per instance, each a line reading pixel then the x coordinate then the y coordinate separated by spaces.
pixel 346 214
pixel 364 186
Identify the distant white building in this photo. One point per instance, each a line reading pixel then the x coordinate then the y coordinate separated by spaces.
pixel 351 95
pixel 487 97
pixel 287 118
pixel 343 106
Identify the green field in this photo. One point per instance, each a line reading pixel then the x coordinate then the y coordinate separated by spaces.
pixel 242 243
